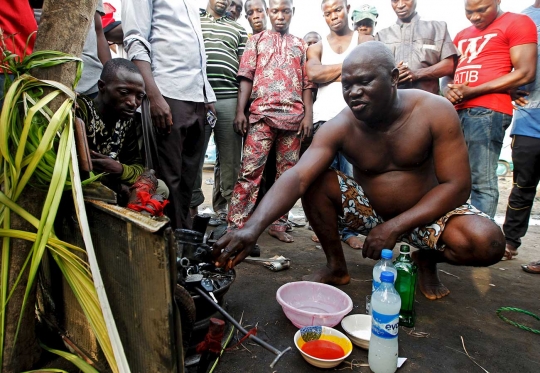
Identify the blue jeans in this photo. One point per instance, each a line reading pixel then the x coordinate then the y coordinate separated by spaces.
pixel 484 133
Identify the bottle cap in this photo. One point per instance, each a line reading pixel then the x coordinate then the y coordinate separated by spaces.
pixel 404 249
pixel 386 254
pixel 387 276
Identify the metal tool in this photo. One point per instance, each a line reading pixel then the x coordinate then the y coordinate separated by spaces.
pixel 244 331
pixel 276 264
pixel 209 287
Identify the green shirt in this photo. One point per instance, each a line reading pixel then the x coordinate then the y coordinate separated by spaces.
pixel 224 42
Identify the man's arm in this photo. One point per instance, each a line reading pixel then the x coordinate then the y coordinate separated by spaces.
pixel 104 52
pixel 523 59
pixel 316 71
pixel 137 22
pixel 241 124
pixel 453 173
pixel 442 68
pixel 306 126
pixel 283 194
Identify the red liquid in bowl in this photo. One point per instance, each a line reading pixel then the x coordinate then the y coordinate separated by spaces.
pixel 323 349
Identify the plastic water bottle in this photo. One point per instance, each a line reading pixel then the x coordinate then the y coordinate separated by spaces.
pixel 385 264
pixel 383 345
pixel 407 273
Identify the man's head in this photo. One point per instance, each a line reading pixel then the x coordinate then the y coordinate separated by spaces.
pixel 311 38
pixel 217 8
pixel 369 78
pixel 335 13
pixel 280 13
pixel 405 9
pixel 235 9
pixel 256 15
pixel 482 13
pixel 121 89
pixel 365 19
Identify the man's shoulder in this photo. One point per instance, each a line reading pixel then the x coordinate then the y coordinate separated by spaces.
pixel 422 101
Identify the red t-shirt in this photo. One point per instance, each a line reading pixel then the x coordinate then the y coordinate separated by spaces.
pixel 17 23
pixel 485 56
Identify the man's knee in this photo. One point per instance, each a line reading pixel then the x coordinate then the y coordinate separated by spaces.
pixel 325 185
pixel 475 240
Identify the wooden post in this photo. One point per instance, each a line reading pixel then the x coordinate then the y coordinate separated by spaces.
pixel 64 26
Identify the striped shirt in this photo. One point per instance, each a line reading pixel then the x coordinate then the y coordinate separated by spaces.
pixel 224 42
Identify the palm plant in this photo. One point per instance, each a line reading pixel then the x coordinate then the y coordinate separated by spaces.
pixel 37 150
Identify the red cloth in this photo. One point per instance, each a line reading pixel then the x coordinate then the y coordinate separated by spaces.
pixel 257 145
pixel 277 66
pixel 17 23
pixel 485 56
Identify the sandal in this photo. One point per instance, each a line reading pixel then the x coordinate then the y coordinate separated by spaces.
pixel 509 253
pixel 533 267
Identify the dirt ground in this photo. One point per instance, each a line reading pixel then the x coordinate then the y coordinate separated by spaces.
pixel 468 313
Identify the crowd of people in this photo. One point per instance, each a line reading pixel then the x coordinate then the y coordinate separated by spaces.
pixel 382 133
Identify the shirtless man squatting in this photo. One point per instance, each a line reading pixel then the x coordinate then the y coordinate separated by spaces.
pixel 411 180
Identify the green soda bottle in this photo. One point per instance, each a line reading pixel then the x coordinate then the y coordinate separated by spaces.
pixel 406 285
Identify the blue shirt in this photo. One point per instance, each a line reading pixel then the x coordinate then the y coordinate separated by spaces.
pixel 527 118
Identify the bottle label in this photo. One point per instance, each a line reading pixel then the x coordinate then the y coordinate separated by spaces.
pixel 385 326
pixel 375 285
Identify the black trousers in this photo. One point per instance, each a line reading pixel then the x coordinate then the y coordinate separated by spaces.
pixel 526 159
pixel 179 154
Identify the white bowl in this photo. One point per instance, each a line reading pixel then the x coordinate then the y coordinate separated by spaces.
pixel 327 333
pixel 308 303
pixel 358 329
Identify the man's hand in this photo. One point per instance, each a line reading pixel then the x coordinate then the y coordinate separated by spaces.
pixel 211 107
pixel 103 163
pixel 405 74
pixel 241 124
pixel 234 247
pixel 381 237
pixel 518 97
pixel 161 113
pixel 457 93
pixel 306 129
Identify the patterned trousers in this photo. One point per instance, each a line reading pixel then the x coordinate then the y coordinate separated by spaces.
pixel 257 145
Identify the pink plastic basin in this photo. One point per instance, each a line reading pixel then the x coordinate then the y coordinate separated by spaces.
pixel 308 303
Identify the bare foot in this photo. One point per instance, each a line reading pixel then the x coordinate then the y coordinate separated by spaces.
pixel 314 238
pixel 282 236
pixel 328 276
pixel 428 277
pixel 355 242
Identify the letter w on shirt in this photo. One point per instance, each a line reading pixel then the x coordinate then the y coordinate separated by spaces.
pixel 473 50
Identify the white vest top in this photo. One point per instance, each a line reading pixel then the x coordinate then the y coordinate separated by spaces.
pixel 330 99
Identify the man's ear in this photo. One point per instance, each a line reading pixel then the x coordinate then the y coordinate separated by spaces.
pixel 395 76
pixel 101 85
pixel 348 8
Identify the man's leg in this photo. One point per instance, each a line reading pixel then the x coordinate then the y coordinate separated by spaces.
pixel 526 159
pixel 469 240
pixel 256 148
pixel 197 197
pixel 484 133
pixel 287 154
pixel 179 155
pixel 322 205
pixel 229 148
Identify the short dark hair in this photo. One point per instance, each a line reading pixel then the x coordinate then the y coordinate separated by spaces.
pixel 111 67
pixel 324 1
pixel 247 1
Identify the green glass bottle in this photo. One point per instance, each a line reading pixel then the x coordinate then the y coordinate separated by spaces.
pixel 406 285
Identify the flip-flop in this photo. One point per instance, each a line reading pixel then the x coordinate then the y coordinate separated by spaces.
pixel 533 267
pixel 509 254
pixel 314 238
pixel 296 224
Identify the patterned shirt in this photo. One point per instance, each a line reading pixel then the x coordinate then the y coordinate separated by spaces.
pixel 120 143
pixel 224 42
pixel 277 66
pixel 419 44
